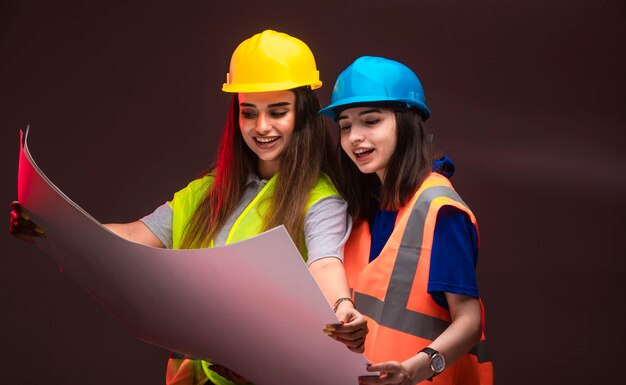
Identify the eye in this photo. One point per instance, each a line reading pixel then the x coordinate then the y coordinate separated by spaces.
pixel 371 122
pixel 246 114
pixel 278 114
pixel 345 127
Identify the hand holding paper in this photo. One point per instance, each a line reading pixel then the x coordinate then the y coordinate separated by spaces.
pixel 351 329
pixel 21 227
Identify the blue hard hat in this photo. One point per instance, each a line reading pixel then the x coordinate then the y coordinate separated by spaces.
pixel 376 79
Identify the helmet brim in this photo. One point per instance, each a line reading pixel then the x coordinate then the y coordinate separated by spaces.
pixel 334 109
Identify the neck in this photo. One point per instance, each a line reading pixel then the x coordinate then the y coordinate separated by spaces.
pixel 381 175
pixel 267 169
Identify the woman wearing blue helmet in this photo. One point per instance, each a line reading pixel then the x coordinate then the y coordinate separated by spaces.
pixel 412 254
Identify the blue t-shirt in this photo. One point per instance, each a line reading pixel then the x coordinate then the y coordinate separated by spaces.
pixel 454 251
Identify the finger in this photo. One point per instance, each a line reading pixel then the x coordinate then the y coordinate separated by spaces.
pixel 350 335
pixel 37 230
pixel 352 343
pixel 348 327
pixel 22 225
pixel 383 379
pixel 359 323
pixel 356 350
pixel 353 334
pixel 21 228
pixel 360 348
pixel 357 346
pixel 389 367
pixel 17 207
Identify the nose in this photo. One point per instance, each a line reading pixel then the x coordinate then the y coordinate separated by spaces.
pixel 356 135
pixel 263 124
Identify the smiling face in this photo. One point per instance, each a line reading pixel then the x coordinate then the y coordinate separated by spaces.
pixel 266 120
pixel 368 136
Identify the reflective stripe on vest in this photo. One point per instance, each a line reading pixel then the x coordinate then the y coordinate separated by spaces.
pixel 392 292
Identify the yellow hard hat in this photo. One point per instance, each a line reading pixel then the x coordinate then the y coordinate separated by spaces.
pixel 271 61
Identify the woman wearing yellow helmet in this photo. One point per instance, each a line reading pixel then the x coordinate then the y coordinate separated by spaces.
pixel 271 169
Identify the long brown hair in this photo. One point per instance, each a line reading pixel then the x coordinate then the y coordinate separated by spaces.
pixel 408 166
pixel 306 155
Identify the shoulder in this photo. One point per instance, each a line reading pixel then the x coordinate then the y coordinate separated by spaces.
pixel 438 188
pixel 326 228
pixel 327 215
pixel 324 188
pixel 331 205
pixel 196 186
pixel 436 192
pixel 436 179
pixel 324 182
pixel 191 195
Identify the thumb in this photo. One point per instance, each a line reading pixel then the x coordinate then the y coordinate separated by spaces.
pixel 383 367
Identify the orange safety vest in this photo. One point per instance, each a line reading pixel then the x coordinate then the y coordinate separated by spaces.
pixel 391 291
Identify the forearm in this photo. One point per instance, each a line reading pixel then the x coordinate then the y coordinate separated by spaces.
pixel 462 335
pixel 352 326
pixel 331 278
pixel 136 232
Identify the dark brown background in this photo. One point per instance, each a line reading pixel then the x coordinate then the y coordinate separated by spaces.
pixel 125 107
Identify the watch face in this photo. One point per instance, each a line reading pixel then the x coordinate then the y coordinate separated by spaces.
pixel 437 363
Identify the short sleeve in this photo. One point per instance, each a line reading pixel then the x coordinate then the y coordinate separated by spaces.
pixel 326 228
pixel 160 223
pixel 454 256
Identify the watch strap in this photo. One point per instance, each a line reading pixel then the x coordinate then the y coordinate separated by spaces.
pixel 430 352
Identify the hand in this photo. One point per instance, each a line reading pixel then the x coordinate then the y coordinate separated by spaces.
pixel 21 227
pixel 228 374
pixel 412 371
pixel 391 373
pixel 352 328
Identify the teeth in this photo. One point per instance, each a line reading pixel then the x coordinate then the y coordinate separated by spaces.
pixel 266 140
pixel 361 151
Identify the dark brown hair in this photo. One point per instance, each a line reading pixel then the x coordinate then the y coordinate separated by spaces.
pixel 306 155
pixel 408 166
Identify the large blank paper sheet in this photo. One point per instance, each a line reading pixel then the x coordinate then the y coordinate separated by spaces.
pixel 251 306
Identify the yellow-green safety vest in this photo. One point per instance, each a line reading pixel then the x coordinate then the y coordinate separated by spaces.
pixel 248 224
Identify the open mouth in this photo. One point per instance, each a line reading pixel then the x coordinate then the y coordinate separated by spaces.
pixel 362 152
pixel 264 140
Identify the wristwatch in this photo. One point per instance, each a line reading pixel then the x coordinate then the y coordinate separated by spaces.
pixel 437 361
